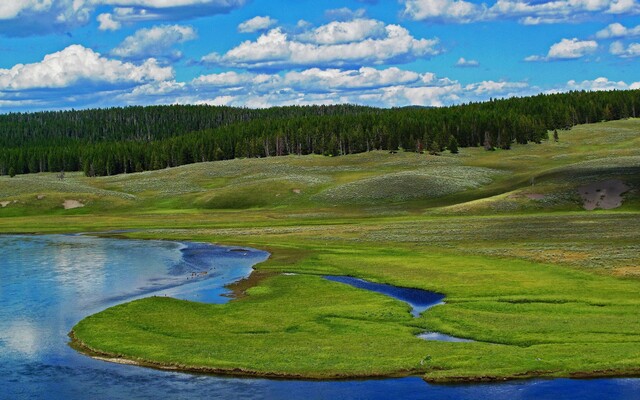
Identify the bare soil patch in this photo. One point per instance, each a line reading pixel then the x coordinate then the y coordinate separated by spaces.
pixel 71 204
pixel 605 195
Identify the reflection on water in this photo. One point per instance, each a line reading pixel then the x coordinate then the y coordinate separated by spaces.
pixel 49 283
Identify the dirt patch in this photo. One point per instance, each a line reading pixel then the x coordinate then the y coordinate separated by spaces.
pixel 71 204
pixel 239 288
pixel 4 203
pixel 297 191
pixel 535 196
pixel 605 195
pixel 627 272
pixel 40 197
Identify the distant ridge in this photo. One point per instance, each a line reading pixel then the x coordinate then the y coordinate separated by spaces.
pixel 133 139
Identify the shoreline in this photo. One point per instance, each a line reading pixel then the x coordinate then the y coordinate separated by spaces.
pixel 82 348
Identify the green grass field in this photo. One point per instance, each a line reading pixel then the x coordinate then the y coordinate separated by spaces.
pixel 543 286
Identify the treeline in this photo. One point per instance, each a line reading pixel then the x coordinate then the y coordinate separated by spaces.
pixel 134 139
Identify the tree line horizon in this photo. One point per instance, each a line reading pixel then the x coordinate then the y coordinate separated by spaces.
pixel 112 141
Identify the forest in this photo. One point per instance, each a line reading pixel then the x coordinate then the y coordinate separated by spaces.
pixel 134 139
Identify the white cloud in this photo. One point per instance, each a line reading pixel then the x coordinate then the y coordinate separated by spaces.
pixel 464 63
pixel 571 49
pixel 29 17
pixel 256 24
pixel 525 11
pixel 157 41
pixel 11 9
pixel 599 84
pixel 567 49
pixel 364 78
pixel 378 87
pixel 505 88
pixel 623 7
pixel 617 30
pixel 618 49
pixel 355 42
pixel 345 32
pixel 107 23
pixel 76 65
pixel 344 14
pixel 445 10
pixel 233 79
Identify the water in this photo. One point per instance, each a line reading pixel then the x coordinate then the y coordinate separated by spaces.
pixel 419 300
pixel 441 337
pixel 49 283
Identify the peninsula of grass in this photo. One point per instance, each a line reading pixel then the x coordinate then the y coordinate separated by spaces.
pixel 542 286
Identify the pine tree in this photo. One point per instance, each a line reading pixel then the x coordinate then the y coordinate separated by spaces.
pixel 453 145
pixel 434 148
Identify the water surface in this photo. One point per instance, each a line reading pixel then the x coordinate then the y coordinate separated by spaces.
pixel 49 283
pixel 419 300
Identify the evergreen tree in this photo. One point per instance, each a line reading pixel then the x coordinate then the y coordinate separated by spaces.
pixel 453 145
pixel 434 148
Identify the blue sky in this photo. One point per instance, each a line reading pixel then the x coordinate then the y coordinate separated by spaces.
pixel 60 54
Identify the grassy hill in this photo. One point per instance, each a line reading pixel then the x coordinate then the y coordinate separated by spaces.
pixel 526 178
pixel 544 286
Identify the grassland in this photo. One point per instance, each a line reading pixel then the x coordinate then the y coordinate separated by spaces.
pixel 543 286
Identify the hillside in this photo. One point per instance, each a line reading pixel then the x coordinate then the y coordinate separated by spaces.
pixel 135 139
pixel 526 178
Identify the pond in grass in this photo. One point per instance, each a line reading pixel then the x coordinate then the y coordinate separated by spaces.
pixel 49 283
pixel 420 301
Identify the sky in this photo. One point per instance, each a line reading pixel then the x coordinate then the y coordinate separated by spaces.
pixel 64 54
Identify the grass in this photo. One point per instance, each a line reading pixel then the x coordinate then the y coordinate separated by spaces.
pixel 544 287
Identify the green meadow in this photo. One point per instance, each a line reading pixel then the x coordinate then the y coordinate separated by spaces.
pixel 543 286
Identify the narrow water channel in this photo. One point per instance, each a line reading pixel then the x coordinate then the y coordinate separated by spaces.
pixel 420 301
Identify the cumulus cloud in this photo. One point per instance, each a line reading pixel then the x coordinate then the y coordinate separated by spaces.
pixel 75 65
pixel 618 49
pixel 464 63
pixel 617 31
pixel 337 44
pixel 317 79
pixel 599 84
pixel 107 23
pixel 390 87
pixel 256 24
pixel 31 17
pixel 528 12
pixel 377 87
pixel 507 89
pixel 157 41
pixel 567 49
pixel 345 32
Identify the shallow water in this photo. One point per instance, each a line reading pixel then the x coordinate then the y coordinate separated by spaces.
pixel 49 283
pixel 419 300
pixel 441 337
